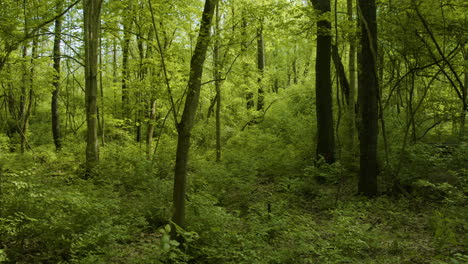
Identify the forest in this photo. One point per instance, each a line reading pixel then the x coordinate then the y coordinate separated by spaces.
pixel 233 131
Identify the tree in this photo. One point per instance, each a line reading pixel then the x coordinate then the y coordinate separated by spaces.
pixel 260 65
pixel 184 127
pixel 352 80
pixel 323 90
pixel 217 77
pixel 56 132
pixel 368 97
pixel 127 27
pixel 92 14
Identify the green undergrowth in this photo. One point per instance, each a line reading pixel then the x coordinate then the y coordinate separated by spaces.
pixel 245 209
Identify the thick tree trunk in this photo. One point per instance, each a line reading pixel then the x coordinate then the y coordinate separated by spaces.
pixel 92 13
pixel 184 128
pixel 56 131
pixel 368 98
pixel 323 90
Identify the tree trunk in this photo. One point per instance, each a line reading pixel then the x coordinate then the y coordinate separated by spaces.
pixel 150 129
pixel 368 93
pixel 184 128
pixel 56 131
pixel 352 83
pixel 23 100
pixel 249 96
pixel 464 96
pixel 217 77
pixel 125 70
pixel 27 101
pixel 340 72
pixel 323 90
pixel 92 13
pixel 101 113
pixel 260 66
pixel 294 68
pixel 152 103
pixel 141 77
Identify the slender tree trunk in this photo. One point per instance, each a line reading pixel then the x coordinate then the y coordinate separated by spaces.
pixel 29 100
pixel 92 14
pixel 141 76
pixel 23 100
pixel 125 69
pixel 249 96
pixel 464 96
pixel 114 75
pixel 150 129
pixel 323 89
pixel 56 131
pixel 465 108
pixel 152 103
pixel 184 128
pixel 368 98
pixel 101 111
pixel 294 69
pixel 260 66
pixel 217 76
pixel 411 112
pixel 27 103
pixel 340 72
pixel 352 83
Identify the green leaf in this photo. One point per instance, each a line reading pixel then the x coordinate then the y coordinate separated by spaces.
pixel 165 239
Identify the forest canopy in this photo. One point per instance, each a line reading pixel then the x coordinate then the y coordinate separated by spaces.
pixel 233 131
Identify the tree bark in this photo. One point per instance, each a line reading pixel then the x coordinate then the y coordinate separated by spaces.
pixel 152 102
pixel 340 71
pixel 368 98
pixel 56 131
pixel 249 96
pixel 127 25
pixel 217 76
pixel 92 13
pixel 323 90
pixel 27 96
pixel 28 108
pixel 150 128
pixel 352 83
pixel 184 127
pixel 101 111
pixel 260 66
pixel 464 95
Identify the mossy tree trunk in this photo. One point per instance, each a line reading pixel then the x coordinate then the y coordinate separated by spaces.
pixel 92 14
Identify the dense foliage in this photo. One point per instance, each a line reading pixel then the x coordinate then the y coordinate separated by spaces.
pixel 257 192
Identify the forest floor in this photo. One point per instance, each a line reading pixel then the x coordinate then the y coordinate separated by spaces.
pixel 49 214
